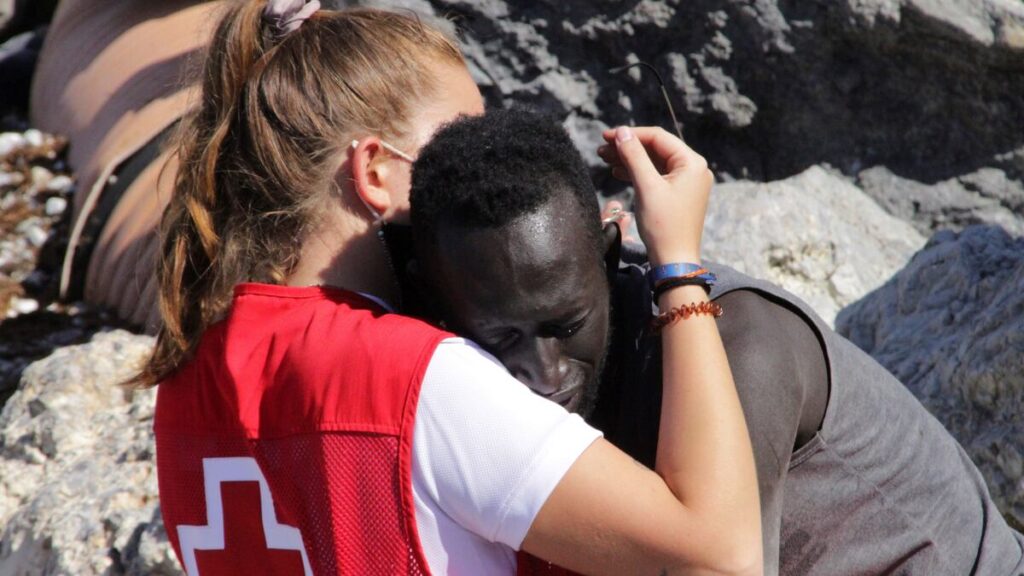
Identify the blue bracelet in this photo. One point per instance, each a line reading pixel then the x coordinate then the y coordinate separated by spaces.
pixel 661 273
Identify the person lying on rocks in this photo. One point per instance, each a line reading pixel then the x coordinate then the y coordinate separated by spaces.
pixel 855 476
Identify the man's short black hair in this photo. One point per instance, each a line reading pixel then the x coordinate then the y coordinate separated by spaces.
pixel 487 171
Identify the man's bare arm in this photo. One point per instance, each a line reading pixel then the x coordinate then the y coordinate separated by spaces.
pixel 781 377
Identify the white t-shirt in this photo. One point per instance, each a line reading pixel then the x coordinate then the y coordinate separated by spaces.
pixel 486 454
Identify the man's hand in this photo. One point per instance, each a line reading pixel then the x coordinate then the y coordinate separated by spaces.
pixel 613 212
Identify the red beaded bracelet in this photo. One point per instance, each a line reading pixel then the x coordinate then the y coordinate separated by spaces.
pixel 684 312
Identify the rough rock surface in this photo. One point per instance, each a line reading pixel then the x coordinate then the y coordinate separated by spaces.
pixel 78 490
pixel 930 89
pixel 814 234
pixel 951 327
pixel 986 196
pixel 767 88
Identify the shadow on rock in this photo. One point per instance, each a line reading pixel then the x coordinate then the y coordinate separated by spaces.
pixel 951 327
pixel 766 89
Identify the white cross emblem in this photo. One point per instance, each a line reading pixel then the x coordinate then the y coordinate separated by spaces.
pixel 211 536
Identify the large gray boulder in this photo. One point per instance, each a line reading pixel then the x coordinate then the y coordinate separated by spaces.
pixel 78 491
pixel 766 88
pixel 815 234
pixel 986 196
pixel 951 327
pixel 932 90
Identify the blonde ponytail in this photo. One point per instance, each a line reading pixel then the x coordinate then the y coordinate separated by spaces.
pixel 255 155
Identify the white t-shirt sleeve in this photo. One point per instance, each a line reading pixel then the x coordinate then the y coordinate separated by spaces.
pixel 486 449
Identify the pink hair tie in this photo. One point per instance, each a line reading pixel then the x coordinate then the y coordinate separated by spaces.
pixel 285 16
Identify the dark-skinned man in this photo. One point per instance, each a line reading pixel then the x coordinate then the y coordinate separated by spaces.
pixel 855 476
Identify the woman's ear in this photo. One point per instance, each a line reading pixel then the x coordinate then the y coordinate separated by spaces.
pixel 611 237
pixel 370 176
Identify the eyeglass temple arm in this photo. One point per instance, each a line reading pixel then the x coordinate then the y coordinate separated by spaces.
pixel 664 92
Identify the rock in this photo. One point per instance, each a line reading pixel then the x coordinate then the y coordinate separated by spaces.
pixel 9 142
pixel 34 137
pixel 23 306
pixel 10 178
pixel 814 234
pixel 768 88
pixel 56 205
pixel 36 236
pixel 61 184
pixel 154 555
pixel 78 492
pixel 986 196
pixel 931 89
pixel 951 327
pixel 40 177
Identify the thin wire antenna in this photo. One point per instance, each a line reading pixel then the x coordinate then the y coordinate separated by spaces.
pixel 664 91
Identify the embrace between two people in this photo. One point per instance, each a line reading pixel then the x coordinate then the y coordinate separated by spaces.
pixel 270 200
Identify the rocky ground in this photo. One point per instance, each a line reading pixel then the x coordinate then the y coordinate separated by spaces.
pixel 871 160
pixel 35 189
pixel 77 489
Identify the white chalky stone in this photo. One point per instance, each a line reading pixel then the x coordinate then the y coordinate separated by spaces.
pixel 10 178
pixel 60 183
pixel 56 206
pixel 37 236
pixel 41 176
pixel 34 137
pixel 24 305
pixel 10 141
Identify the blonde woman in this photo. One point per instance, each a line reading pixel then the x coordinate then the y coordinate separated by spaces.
pixel 289 387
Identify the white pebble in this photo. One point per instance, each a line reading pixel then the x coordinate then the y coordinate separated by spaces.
pixel 56 206
pixel 10 141
pixel 60 183
pixel 37 236
pixel 34 137
pixel 24 305
pixel 41 176
pixel 25 225
pixel 11 178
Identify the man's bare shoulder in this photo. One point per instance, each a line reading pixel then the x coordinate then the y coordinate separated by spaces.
pixel 777 360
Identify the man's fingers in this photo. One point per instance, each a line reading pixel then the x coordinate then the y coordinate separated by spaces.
pixel 635 159
pixel 610 154
pixel 612 209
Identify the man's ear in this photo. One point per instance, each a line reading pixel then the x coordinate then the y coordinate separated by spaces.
pixel 611 238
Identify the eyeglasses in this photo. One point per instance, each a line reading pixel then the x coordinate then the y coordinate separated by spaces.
pixel 676 125
pixel 389 148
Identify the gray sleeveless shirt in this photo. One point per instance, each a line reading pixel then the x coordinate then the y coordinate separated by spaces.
pixel 882 488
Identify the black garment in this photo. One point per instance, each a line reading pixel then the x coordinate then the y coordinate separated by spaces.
pixel 881 488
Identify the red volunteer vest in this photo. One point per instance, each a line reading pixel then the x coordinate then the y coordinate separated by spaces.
pixel 284 446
